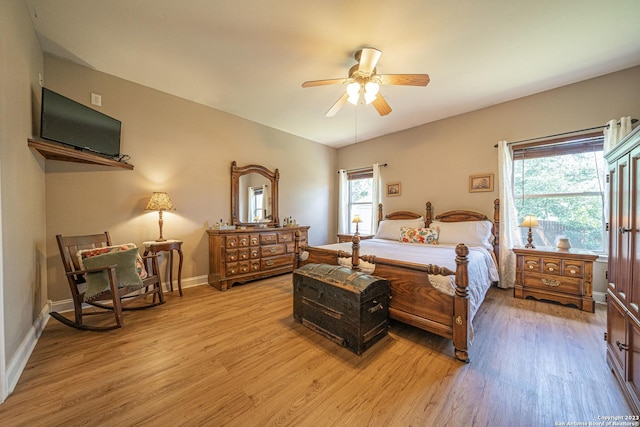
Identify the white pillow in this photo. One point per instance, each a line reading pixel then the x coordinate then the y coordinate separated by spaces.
pixel 390 229
pixel 471 233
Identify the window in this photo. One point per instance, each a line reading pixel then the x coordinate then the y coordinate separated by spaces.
pixel 361 199
pixel 561 182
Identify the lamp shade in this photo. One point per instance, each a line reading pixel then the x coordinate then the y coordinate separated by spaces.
pixel 159 202
pixel 530 221
pixel 356 219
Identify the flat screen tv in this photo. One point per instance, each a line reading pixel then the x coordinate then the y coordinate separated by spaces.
pixel 71 123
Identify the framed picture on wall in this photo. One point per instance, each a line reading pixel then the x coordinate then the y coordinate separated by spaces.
pixel 393 189
pixel 479 183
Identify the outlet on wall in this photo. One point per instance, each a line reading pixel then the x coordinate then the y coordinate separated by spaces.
pixel 96 99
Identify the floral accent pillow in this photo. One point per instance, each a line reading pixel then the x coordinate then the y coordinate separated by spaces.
pixel 427 236
pixel 87 253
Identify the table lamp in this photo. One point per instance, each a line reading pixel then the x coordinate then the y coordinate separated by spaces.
pixel 356 221
pixel 159 202
pixel 530 221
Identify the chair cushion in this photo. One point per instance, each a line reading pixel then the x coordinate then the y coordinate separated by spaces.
pixel 126 272
pixel 86 253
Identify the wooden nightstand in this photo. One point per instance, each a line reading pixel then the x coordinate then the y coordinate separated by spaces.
pixel 342 238
pixel 562 276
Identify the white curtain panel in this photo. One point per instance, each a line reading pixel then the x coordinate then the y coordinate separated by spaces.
pixel 266 201
pixel 375 198
pixel 509 235
pixel 615 131
pixel 343 205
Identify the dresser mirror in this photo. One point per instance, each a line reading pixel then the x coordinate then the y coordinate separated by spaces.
pixel 254 195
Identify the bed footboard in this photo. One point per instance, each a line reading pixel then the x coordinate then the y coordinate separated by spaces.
pixel 414 300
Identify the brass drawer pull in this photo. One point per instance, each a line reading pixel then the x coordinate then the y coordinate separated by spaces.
pixel 273 250
pixel 551 282
pixel 269 263
pixel 375 308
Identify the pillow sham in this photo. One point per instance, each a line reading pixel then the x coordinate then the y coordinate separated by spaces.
pixel 471 233
pixel 86 253
pixel 389 229
pixel 126 271
pixel 428 236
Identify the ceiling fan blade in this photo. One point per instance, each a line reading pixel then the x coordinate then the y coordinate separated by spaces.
pixel 313 83
pixel 404 79
pixel 381 105
pixel 368 59
pixel 338 105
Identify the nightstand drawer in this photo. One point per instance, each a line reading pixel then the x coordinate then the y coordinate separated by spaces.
pixel 551 265
pixel 572 268
pixel 566 285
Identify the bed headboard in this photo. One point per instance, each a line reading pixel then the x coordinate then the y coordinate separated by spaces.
pixel 452 216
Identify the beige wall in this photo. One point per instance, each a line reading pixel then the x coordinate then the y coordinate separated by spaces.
pixel 22 185
pixel 182 148
pixel 433 162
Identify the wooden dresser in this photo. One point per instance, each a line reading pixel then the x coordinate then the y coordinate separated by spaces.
pixel 562 276
pixel 239 256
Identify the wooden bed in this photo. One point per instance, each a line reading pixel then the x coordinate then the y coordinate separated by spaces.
pixel 414 299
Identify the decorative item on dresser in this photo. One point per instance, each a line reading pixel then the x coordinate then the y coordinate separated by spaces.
pixel 436 285
pixel 560 275
pixel 239 256
pixel 623 288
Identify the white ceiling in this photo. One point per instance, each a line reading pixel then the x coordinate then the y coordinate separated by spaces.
pixel 250 57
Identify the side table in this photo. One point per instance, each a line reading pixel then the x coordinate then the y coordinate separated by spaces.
pixel 154 247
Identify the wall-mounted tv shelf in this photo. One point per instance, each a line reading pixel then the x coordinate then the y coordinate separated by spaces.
pixel 53 151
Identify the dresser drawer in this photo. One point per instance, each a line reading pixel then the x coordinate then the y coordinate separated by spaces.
pixel 243 254
pixel 567 285
pixel 254 253
pixel 254 239
pixel 268 239
pixel 285 237
pixel 272 250
pixel 275 262
pixel 236 241
pixel 231 255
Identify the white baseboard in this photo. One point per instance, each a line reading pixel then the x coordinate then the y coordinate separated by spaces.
pixel 67 304
pixel 21 357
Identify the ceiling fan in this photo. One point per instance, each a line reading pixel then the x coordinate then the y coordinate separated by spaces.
pixel 363 84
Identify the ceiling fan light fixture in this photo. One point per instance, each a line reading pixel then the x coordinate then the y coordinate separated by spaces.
pixel 371 91
pixel 353 90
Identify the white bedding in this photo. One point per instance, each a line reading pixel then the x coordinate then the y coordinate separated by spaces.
pixel 481 267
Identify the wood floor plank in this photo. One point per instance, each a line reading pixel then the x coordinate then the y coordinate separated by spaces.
pixel 238 358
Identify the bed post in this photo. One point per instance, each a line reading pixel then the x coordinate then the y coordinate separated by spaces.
pixel 461 325
pixel 379 212
pixel 296 250
pixel 355 252
pixel 429 216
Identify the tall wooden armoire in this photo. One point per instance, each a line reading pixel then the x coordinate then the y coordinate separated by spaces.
pixel 623 288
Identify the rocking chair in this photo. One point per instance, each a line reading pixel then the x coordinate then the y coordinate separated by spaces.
pixel 109 278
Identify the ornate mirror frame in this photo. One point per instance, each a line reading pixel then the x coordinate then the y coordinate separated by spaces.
pixel 273 177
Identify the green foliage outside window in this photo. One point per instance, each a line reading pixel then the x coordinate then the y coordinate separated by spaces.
pixel 566 194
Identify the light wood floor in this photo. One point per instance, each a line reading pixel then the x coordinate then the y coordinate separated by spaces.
pixel 238 358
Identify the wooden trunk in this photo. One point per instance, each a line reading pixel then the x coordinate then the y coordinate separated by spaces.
pixel 347 306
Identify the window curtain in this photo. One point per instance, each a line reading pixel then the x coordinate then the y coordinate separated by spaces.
pixel 614 133
pixel 343 203
pixel 375 197
pixel 509 235
pixel 251 197
pixel 266 201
